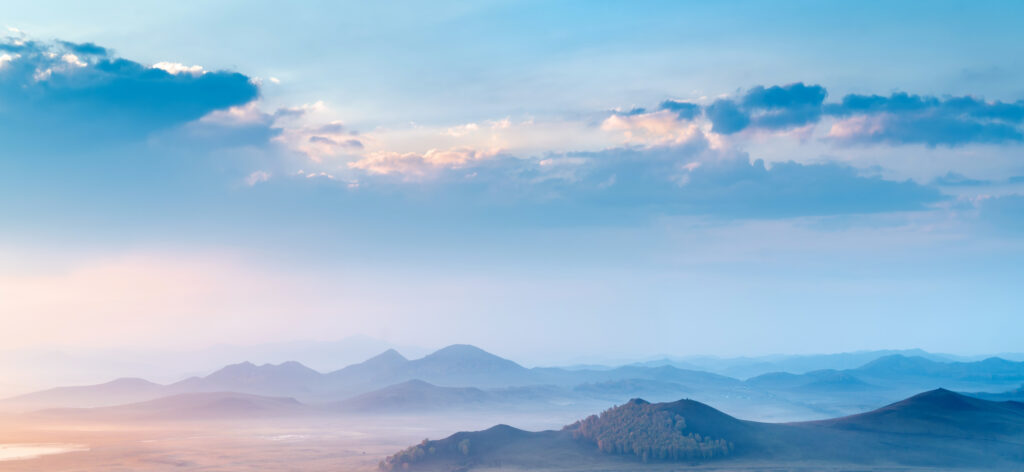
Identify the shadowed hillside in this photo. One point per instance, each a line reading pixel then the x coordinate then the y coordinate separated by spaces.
pixel 932 429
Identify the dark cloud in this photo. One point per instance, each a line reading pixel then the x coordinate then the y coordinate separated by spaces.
pixel 351 143
pixel 66 94
pixel 89 49
pixel 774 108
pixel 323 140
pixel 727 117
pixel 899 118
pixel 955 179
pixel 631 112
pixel 684 110
pixel 903 118
pixel 331 128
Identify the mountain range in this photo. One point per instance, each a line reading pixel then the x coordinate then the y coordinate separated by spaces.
pixel 461 375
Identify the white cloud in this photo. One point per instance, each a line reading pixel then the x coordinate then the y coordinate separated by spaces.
pixel 652 129
pixel 5 58
pixel 419 165
pixel 73 60
pixel 257 177
pixel 177 68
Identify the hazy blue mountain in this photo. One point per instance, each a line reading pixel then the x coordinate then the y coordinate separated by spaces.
pixel 87 366
pixel 934 429
pixel 898 372
pixel 1016 395
pixel 415 396
pixel 288 378
pixel 747 367
pixel 115 392
pixel 814 394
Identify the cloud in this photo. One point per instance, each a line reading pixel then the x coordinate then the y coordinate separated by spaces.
pixel 956 179
pixel 694 181
pixel 74 94
pixel 656 128
pixel 771 108
pixel 175 68
pixel 902 118
pixel 897 119
pixel 727 117
pixel 1004 212
pixel 257 177
pixel 683 110
pixel 750 189
pixel 691 178
pixel 412 165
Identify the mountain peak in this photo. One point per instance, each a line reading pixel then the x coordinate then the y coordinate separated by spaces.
pixel 898 362
pixel 466 355
pixel 939 398
pixel 390 357
pixel 131 382
pixel 461 350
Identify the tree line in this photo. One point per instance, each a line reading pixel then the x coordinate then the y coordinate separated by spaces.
pixel 647 432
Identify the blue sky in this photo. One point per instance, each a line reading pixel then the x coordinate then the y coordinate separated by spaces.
pixel 544 179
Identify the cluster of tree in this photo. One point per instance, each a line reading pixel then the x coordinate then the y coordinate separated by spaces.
pixel 413 454
pixel 650 433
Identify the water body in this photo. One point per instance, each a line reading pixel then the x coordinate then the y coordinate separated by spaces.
pixel 10 452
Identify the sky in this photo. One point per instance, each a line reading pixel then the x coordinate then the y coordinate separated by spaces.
pixel 546 180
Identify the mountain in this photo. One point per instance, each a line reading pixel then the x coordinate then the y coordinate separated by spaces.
pixel 938 428
pixel 415 396
pixel 747 367
pixel 465 363
pixel 115 392
pixel 288 378
pixel 901 373
pixel 992 370
pixel 453 366
pixel 940 413
pixel 815 394
pixel 188 406
pixel 285 379
pixel 87 366
pixel 1015 395
pixel 458 365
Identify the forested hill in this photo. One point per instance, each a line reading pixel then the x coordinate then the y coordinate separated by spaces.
pixel 658 431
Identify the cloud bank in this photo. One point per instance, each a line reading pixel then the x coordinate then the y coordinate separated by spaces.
pixel 897 119
pixel 73 94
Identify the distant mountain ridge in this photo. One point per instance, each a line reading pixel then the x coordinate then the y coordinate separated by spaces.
pixel 747 367
pixel 818 394
pixel 905 373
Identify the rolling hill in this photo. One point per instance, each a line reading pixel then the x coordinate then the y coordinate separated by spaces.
pixel 938 428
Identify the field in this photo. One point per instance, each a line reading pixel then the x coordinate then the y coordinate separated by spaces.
pixel 308 444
